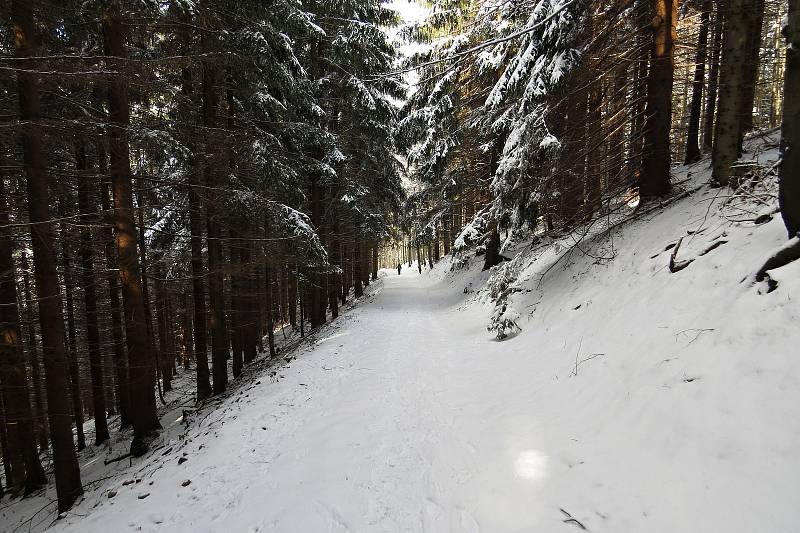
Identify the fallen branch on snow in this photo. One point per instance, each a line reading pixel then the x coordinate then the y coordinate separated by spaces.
pixel 571 519
pixel 674 264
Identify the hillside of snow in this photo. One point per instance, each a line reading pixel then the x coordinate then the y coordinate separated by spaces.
pixel 632 399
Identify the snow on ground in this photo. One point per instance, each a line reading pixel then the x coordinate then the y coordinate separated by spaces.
pixel 633 399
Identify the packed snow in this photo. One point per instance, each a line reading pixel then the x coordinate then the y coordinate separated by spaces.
pixel 633 399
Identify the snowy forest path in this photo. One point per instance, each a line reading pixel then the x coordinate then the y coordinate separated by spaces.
pixel 400 432
pixel 389 420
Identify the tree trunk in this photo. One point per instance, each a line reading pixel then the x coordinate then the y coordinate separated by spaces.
pixel 218 323
pixel 19 449
pixel 250 289
pixel 755 21
pixel 186 330
pixel 492 256
pixel 88 210
pixel 374 262
pixel 117 332
pixel 40 411
pixel 165 359
pixel 237 309
pixel 198 289
pixel 344 290
pixel 199 322
pixel 292 290
pixel 713 81
pixel 14 472
pixel 789 170
pixel 74 369
pixel 364 264
pixel 654 179
pixel 732 82
pixel 358 290
pixel 65 461
pixel 695 108
pixel 270 319
pixel 334 281
pixel 140 356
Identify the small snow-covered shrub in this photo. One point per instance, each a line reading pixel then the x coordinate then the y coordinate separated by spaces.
pixel 504 321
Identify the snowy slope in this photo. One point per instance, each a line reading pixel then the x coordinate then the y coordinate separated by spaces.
pixel 633 399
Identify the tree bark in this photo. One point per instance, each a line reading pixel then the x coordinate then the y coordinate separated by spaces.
pixel 365 264
pixel 654 179
pixel 695 108
pixel 713 81
pixel 65 461
pixel 292 290
pixel 88 210
pixel 117 332
pixel 727 139
pixel 162 317
pixel 789 170
pixel 74 369
pixel 358 289
pixel 220 350
pixel 237 307
pixel 140 357
pixel 200 320
pixel 250 289
pixel 755 21
pixel 270 315
pixel 19 449
pixel 40 411
pixel 374 262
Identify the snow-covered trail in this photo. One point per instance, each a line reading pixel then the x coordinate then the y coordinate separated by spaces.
pixel 388 424
pixel 396 430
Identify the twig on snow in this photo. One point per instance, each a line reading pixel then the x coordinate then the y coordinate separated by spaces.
pixel 571 519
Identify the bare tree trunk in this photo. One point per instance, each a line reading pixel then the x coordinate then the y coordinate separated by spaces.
pixel 237 309
pixel 249 302
pixel 148 302
pixel 163 361
pixel 140 356
pixel 357 265
pixel 374 261
pixel 19 448
pixel 713 81
pixel 334 281
pixel 13 468
pixel 199 322
pixel 693 134
pixel 198 289
pixel 654 179
pixel 220 346
pixel 74 369
pixel 344 290
pixel 270 319
pixel 789 171
pixel 88 210
pixel 364 264
pixel 755 20
pixel 39 412
pixel 292 289
pixel 117 332
pixel 727 131
pixel 65 461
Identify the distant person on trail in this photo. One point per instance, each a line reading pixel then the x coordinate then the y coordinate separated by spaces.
pixel 399 268
pixel 419 266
